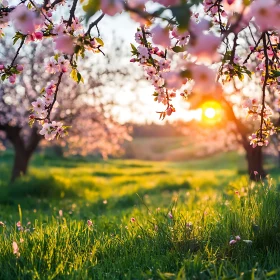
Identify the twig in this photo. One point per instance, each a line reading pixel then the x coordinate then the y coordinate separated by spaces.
pixel 18 50
pixel 265 81
pixel 95 23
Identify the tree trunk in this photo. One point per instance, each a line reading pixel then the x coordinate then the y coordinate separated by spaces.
pixel 254 156
pixel 23 151
pixel 21 160
pixel 255 163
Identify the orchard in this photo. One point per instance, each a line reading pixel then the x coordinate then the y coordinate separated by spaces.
pixel 219 56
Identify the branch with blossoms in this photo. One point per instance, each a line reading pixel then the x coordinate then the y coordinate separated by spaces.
pixel 198 50
pixel 34 23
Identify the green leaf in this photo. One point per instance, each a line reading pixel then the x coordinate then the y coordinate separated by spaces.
pixel 275 73
pixel 80 78
pixel 133 47
pixel 179 49
pixel 182 14
pixel 273 272
pixel 74 75
pixel 158 12
pixel 3 77
pixel 15 39
pixel 91 8
pixel 186 74
pixel 240 76
pixel 99 41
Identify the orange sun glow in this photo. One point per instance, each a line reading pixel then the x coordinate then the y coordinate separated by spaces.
pixel 211 112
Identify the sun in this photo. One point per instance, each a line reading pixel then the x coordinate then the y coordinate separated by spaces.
pixel 211 112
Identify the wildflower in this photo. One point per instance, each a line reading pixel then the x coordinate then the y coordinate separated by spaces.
pixel 60 212
pixel 170 215
pixel 237 238
pixel 89 223
pixel 133 220
pixel 232 242
pixel 2 224
pixel 16 249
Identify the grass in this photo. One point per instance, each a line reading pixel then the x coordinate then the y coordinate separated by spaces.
pixel 209 200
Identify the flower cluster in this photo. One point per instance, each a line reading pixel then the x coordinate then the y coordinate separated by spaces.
pixel 57 64
pixel 235 240
pixel 10 72
pixel 257 111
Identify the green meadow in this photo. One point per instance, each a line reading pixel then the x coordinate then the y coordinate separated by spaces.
pixel 126 219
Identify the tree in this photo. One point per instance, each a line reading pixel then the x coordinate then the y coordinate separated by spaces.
pixel 81 106
pixel 191 51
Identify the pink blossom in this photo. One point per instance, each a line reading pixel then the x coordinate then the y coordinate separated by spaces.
pixel 38 105
pixel 182 37
pixel 38 35
pixel 169 111
pixel 167 3
pixel 143 53
pixel 233 5
pixel 132 220
pixel 63 64
pixel 64 44
pixel 232 242
pixel 16 249
pixel 205 47
pixel 59 29
pixel 173 80
pixel 265 13
pixel 198 28
pixel 19 68
pixel 89 223
pixel 204 79
pixel 50 130
pixel 52 66
pixel 12 78
pixel 2 67
pixel 111 7
pixel 51 87
pixel 237 238
pixel 170 216
pixel 23 19
pixel 161 36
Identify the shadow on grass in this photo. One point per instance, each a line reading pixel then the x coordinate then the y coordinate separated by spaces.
pixel 36 187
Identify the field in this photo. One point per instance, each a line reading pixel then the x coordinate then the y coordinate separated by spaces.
pixel 150 220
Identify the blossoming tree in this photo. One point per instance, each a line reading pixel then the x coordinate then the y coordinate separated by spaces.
pixel 183 46
pixel 93 128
